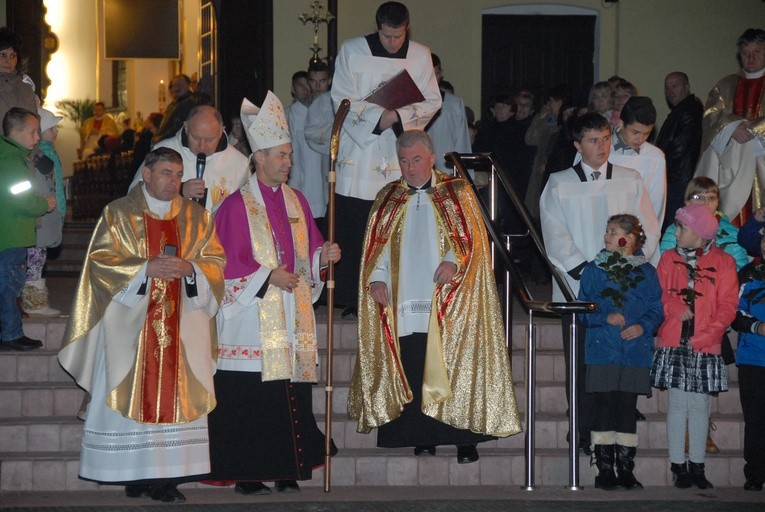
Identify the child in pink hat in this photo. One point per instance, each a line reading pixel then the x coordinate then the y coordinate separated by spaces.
pixel 700 296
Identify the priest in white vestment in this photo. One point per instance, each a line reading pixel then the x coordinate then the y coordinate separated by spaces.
pixel 367 158
pixel 141 339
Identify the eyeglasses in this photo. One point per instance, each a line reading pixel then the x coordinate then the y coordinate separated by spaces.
pixel 706 198
pixel 9 55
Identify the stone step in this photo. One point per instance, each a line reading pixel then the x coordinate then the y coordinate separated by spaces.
pixel 64 433
pixel 550 360
pixel 40 399
pixel 51 330
pixel 49 471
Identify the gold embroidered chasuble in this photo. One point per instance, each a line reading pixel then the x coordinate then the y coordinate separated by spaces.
pixel 120 246
pixel 721 108
pixel 732 99
pixel 281 359
pixel 467 382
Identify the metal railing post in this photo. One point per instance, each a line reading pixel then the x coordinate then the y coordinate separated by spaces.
pixel 573 415
pixel 531 373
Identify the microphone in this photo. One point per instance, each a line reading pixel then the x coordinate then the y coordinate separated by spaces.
pixel 201 162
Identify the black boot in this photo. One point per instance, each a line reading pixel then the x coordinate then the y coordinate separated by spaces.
pixel 696 471
pixel 604 460
pixel 680 476
pixel 625 464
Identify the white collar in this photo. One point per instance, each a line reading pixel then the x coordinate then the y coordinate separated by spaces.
pixel 589 170
pixel 756 74
pixel 156 206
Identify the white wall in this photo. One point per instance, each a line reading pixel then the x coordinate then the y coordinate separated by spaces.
pixel 79 71
pixel 72 68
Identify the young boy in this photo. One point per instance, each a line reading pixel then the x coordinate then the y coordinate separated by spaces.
pixel 575 204
pixel 20 207
pixel 630 149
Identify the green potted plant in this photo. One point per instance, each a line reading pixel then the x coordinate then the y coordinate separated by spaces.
pixel 76 111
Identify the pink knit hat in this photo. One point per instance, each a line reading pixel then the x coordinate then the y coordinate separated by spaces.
pixel 698 218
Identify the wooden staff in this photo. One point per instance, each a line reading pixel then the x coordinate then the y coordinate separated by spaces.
pixel 334 146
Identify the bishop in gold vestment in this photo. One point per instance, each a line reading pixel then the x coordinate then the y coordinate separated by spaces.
pixel 141 340
pixel 432 367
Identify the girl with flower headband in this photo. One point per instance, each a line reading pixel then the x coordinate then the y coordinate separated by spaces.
pixel 700 296
pixel 619 346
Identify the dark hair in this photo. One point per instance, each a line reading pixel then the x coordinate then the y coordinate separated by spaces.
pixel 155 118
pixel 318 66
pixel 587 122
pixel 297 75
pixel 15 118
pixel 639 109
pixel 504 97
pixel 447 86
pixel 99 103
pixel 162 155
pixel 411 137
pixel 561 92
pixel 392 14
pixel 435 59
pixel 10 40
pixel 750 35
pixel 631 225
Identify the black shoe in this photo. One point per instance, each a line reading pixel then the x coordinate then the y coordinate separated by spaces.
pixel 423 451
pixel 138 491
pixel 287 486
pixel 22 344
pixel 256 488
pixel 639 415
pixel 584 445
pixel 167 493
pixel 753 484
pixel 699 479
pixel 350 312
pixel 680 477
pixel 467 454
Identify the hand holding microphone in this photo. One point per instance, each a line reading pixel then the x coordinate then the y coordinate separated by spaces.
pixel 198 190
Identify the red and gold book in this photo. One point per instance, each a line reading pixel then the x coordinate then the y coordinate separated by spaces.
pixel 397 92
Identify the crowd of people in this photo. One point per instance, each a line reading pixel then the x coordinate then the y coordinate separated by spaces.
pixel 193 331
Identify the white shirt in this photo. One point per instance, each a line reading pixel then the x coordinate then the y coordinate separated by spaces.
pixel 651 165
pixel 419 261
pixel 367 161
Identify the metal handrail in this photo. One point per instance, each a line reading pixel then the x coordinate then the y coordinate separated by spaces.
pixel 570 306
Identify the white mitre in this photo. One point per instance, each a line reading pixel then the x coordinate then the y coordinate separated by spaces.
pixel 266 126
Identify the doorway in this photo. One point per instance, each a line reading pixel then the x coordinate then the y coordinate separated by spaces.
pixel 537 51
